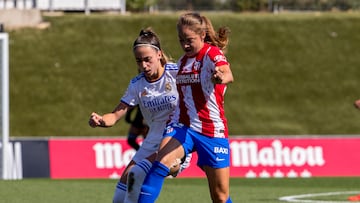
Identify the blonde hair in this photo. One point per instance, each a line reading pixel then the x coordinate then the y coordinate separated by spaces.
pixel 200 24
pixel 148 37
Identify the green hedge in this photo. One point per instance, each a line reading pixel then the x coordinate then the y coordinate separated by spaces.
pixel 294 73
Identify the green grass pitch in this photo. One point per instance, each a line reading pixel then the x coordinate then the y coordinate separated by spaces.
pixel 176 190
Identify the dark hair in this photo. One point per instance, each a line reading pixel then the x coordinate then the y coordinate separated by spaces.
pixel 199 24
pixel 148 37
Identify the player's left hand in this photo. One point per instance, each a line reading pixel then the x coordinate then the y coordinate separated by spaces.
pixel 217 76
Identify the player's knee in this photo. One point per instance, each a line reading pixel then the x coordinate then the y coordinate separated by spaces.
pixel 168 160
pixel 140 169
pixel 164 160
pixel 174 170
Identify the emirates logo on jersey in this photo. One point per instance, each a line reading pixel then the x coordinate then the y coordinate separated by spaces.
pixel 168 87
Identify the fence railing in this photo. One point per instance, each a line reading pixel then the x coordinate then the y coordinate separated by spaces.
pixel 72 5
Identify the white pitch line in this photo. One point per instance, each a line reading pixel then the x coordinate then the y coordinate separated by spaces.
pixel 295 198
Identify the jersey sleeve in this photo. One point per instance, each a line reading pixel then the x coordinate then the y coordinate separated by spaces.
pixel 217 56
pixel 172 68
pixel 130 96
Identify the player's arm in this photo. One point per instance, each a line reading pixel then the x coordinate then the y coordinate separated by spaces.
pixel 108 119
pixel 222 75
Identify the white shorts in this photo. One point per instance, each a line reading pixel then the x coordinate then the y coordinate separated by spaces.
pixel 151 143
pixel 145 152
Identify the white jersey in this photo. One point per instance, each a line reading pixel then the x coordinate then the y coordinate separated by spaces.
pixel 157 101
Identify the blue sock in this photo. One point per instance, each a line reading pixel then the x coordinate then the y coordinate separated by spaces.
pixel 135 180
pixel 153 183
pixel 120 192
pixel 228 200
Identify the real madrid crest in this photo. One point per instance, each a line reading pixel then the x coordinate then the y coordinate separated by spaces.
pixel 168 87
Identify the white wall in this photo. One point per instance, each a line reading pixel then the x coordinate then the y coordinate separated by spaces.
pixel 65 4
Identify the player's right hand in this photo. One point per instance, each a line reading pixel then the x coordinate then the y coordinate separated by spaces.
pixel 95 120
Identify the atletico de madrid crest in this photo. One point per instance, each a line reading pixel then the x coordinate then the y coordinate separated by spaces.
pixel 197 65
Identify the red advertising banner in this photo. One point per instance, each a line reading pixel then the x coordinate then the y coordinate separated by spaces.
pixel 88 158
pixel 250 157
pixel 295 157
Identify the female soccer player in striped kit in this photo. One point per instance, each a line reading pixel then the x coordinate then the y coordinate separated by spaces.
pixel 154 90
pixel 199 123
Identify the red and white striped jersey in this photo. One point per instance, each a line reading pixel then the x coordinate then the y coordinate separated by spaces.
pixel 201 102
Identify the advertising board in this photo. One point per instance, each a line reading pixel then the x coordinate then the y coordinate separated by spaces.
pixel 251 157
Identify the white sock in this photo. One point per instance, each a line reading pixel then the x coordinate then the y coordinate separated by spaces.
pixel 120 193
pixel 136 178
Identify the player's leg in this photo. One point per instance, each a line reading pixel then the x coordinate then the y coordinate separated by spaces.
pixel 175 144
pixel 119 193
pixel 218 179
pixel 136 178
pixel 160 170
pixel 132 137
pixel 148 148
pixel 121 188
pixel 180 165
pixel 144 158
pixel 214 159
pixel 131 140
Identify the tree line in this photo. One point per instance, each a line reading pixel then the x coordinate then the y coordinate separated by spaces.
pixel 241 5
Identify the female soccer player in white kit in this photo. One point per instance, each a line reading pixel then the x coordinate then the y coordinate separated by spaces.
pixel 154 90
